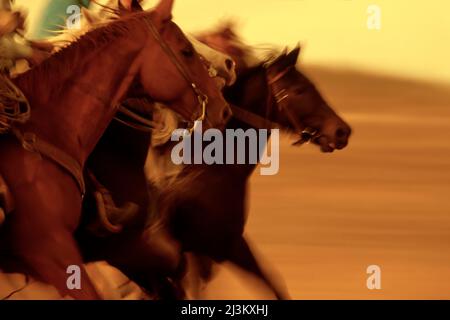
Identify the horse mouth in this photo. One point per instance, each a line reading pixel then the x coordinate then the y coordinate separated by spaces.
pixel 311 135
pixel 325 145
pixel 308 135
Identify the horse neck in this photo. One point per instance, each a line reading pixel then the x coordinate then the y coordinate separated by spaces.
pixel 74 101
pixel 251 92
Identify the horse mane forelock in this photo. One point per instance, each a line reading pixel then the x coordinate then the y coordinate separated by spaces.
pixel 253 55
pixel 64 63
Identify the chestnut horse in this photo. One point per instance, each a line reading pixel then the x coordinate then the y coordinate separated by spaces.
pixel 122 173
pixel 74 96
pixel 194 208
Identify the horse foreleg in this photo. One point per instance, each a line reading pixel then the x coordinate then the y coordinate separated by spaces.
pixel 39 232
pixel 242 256
pixel 46 246
pixel 50 257
pixel 199 274
pixel 150 259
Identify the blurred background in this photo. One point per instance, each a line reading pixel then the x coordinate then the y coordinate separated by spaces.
pixel 414 39
pixel 382 201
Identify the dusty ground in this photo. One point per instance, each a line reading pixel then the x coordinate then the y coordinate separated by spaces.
pixel 385 200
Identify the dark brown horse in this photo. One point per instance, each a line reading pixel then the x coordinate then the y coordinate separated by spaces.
pixel 194 208
pixel 196 217
pixel 74 96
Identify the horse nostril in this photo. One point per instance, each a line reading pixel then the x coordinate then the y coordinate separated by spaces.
pixel 229 63
pixel 341 133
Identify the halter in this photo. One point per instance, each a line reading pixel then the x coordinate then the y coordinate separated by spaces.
pixel 307 134
pixel 31 142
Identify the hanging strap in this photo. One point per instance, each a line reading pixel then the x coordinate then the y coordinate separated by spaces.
pixel 32 143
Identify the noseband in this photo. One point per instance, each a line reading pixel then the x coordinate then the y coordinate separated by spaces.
pixel 202 98
pixel 307 134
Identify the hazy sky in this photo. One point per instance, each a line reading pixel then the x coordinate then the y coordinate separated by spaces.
pixel 414 39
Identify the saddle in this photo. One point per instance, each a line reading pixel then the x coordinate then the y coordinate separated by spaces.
pixel 6 200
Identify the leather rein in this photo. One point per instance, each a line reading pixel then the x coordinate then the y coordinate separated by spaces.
pixel 31 142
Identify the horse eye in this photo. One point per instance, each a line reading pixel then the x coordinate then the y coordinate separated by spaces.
pixel 188 52
pixel 300 91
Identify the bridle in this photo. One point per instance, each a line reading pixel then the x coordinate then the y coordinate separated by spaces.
pixel 31 142
pixel 276 97
pixel 307 134
pixel 147 125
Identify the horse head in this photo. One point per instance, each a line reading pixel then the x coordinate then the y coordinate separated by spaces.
pixel 225 39
pixel 301 107
pixel 220 66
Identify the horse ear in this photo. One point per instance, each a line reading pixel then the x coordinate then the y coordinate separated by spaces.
pixel 124 7
pixel 129 6
pixel 286 59
pixel 228 29
pixel 136 5
pixel 164 9
pixel 292 57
